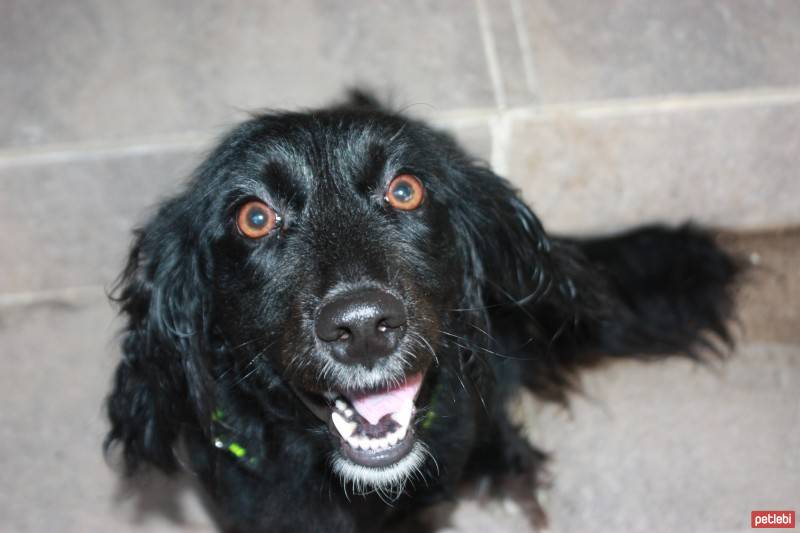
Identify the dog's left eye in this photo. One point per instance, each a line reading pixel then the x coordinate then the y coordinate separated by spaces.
pixel 256 219
pixel 405 192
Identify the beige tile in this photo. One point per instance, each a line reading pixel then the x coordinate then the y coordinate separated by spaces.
pixel 622 48
pixel 733 167
pixel 58 359
pixel 90 69
pixel 668 447
pixel 70 223
pixel 474 137
pixel 769 299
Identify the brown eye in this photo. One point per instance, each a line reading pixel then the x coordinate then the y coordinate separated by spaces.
pixel 405 192
pixel 256 219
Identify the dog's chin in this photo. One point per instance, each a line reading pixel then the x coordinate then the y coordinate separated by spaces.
pixel 388 479
pixel 375 443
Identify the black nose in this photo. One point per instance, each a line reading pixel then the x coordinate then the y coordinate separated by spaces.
pixel 362 326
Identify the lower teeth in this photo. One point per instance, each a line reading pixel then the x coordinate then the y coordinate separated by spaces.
pixel 348 429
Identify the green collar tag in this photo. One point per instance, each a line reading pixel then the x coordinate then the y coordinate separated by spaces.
pixel 223 435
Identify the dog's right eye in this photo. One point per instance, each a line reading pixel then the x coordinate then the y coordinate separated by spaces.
pixel 255 219
pixel 405 192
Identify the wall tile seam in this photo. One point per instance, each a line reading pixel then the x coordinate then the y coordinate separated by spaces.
pixel 454 119
pixel 490 52
pixel 59 295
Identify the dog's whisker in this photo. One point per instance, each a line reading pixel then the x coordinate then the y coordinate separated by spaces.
pixel 234 367
pixel 474 308
pixel 248 342
pixel 420 339
pixel 473 346
pixel 484 332
pixel 244 378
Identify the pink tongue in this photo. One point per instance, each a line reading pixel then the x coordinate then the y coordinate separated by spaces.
pixel 376 405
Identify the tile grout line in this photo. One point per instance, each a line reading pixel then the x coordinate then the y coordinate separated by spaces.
pixel 496 120
pixel 490 51
pixel 525 48
pixel 503 127
pixel 500 127
pixel 197 140
pixel 92 150
pixel 660 104
pixel 12 299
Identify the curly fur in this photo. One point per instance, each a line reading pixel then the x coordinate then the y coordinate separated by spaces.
pixel 494 303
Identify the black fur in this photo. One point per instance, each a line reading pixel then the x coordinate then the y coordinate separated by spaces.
pixel 494 303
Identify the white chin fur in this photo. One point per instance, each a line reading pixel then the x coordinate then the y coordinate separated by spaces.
pixel 388 481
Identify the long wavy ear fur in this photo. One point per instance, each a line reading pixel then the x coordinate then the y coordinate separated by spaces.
pixel 509 258
pixel 561 304
pixel 161 380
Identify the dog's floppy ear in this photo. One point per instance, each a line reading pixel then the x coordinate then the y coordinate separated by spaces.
pixel 504 245
pixel 161 380
pixel 509 257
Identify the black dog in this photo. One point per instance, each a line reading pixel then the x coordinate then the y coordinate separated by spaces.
pixel 330 319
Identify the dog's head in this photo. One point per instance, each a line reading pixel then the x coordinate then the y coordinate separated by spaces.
pixel 339 257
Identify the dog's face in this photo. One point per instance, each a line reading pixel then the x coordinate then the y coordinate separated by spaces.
pixel 334 261
pixel 333 256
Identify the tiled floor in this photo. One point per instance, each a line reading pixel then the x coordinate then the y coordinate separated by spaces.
pixel 660 447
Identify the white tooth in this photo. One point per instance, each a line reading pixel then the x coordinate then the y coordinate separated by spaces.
pixel 393 438
pixel 403 416
pixel 363 443
pixel 401 432
pixel 383 443
pixel 353 442
pixel 374 444
pixel 348 413
pixel 344 427
pixel 341 405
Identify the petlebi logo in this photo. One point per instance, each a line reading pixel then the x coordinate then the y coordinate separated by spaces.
pixel 772 519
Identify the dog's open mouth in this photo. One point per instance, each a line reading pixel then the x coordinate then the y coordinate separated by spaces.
pixel 373 428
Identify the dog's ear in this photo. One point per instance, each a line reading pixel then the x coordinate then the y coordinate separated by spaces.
pixel 161 381
pixel 503 243
pixel 509 257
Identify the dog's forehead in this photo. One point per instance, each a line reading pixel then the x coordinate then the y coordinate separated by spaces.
pixel 317 153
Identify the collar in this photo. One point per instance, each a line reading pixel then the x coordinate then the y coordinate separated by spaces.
pixel 226 437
